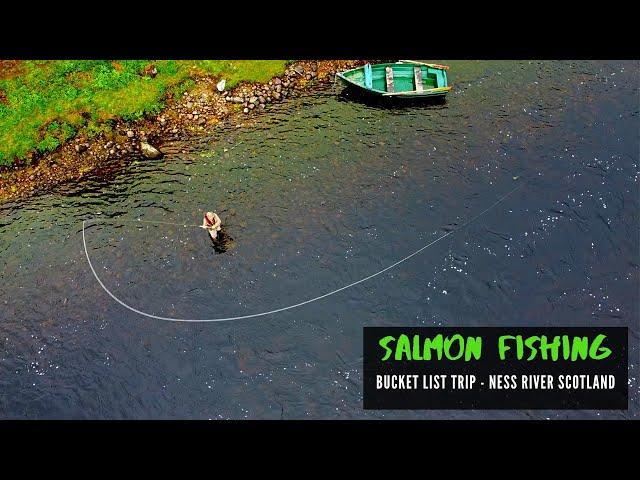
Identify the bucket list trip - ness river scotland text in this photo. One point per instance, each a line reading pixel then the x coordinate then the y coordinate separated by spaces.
pixel 495 368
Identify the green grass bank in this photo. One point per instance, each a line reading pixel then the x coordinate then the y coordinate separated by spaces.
pixel 45 103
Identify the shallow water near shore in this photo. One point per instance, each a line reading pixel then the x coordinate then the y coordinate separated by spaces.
pixel 318 193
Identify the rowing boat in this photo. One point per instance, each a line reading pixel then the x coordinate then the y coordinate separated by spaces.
pixel 403 79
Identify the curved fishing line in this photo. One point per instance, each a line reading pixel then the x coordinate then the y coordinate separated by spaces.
pixel 290 307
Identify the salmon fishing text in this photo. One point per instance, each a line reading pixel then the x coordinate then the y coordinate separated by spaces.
pixel 469 348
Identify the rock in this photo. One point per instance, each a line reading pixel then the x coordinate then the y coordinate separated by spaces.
pixel 221 84
pixel 246 110
pixel 195 117
pixel 189 105
pixel 252 106
pixel 277 81
pixel 298 69
pixel 261 99
pixel 276 95
pixel 261 106
pixel 130 133
pixel 253 100
pixel 112 151
pixel 150 151
pixel 150 71
pixel 190 116
pixel 175 130
pixel 278 88
pixel 81 147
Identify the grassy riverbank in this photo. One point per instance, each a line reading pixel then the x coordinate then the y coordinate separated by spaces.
pixel 45 103
pixel 61 121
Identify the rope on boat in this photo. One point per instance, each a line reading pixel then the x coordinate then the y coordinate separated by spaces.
pixel 289 307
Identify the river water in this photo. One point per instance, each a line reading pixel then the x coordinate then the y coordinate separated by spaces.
pixel 319 193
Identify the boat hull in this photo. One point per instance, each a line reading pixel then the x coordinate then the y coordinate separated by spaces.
pixel 403 82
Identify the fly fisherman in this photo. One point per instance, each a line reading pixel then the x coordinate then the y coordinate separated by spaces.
pixel 212 224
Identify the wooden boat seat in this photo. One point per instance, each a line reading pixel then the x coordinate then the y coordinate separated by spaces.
pixel 389 79
pixel 368 76
pixel 417 75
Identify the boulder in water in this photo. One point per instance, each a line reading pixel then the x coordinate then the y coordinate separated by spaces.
pixel 150 151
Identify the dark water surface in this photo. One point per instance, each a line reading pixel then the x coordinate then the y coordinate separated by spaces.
pixel 318 194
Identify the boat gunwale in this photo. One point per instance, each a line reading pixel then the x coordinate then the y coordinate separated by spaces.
pixel 431 92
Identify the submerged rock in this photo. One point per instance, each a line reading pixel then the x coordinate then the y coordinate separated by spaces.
pixel 150 151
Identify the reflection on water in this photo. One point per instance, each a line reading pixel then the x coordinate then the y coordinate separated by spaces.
pixel 350 94
pixel 323 193
pixel 222 243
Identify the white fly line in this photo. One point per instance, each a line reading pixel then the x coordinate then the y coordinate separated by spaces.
pixel 288 307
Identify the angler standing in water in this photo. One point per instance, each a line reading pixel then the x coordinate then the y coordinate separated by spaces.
pixel 212 224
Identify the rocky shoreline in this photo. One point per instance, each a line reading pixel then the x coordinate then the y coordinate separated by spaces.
pixel 196 113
